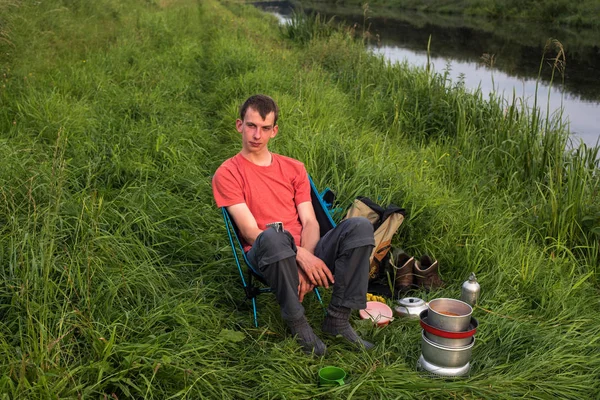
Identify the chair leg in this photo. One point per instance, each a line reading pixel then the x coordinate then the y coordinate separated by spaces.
pixel 255 312
pixel 252 296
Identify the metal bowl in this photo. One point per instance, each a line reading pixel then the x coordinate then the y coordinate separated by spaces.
pixel 454 343
pixel 443 356
pixel 450 314
pixel 424 365
pixel 446 338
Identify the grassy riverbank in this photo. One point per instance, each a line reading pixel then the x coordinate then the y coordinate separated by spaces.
pixel 548 12
pixel 579 43
pixel 117 278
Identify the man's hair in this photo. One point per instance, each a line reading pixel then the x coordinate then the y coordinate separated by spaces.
pixel 261 103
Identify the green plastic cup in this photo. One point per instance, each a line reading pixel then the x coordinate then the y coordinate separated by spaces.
pixel 331 376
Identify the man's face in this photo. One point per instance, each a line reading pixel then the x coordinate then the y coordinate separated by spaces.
pixel 256 132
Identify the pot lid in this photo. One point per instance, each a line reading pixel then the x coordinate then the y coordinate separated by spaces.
pixel 411 302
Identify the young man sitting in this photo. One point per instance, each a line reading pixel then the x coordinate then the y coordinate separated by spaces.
pixel 258 187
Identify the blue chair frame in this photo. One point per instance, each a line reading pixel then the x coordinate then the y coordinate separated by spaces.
pixel 323 205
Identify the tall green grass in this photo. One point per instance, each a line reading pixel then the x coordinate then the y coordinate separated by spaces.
pixel 524 151
pixel 117 277
pixel 303 27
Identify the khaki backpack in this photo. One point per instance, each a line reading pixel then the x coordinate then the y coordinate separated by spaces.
pixel 385 223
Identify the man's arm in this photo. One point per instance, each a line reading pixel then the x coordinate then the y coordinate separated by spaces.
pixel 245 221
pixel 314 268
pixel 310 226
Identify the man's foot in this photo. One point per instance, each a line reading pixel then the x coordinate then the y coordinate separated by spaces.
pixel 306 337
pixel 337 322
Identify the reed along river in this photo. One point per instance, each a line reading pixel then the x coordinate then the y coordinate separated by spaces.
pixel 460 47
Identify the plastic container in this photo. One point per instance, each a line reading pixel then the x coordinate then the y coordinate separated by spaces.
pixel 381 314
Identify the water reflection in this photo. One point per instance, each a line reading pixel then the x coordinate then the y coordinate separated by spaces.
pixel 517 53
pixel 583 116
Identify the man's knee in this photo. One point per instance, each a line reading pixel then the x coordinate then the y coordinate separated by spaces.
pixel 273 242
pixel 359 226
pixel 278 239
pixel 271 247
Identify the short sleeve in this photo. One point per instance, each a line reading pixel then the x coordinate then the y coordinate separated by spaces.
pixel 302 187
pixel 227 190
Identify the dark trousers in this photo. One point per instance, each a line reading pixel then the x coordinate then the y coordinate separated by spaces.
pixel 345 250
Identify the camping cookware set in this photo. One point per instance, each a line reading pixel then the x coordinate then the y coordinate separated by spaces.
pixel 447 338
pixel 448 334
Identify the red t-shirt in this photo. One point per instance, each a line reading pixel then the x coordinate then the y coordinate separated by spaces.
pixel 272 193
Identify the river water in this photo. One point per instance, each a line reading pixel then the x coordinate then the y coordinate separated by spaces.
pixel 459 47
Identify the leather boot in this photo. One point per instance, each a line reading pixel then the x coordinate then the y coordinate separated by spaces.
pixel 403 270
pixel 426 273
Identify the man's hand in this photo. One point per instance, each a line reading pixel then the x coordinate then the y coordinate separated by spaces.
pixel 314 268
pixel 304 286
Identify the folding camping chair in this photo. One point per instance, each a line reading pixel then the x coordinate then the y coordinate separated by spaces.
pixel 323 206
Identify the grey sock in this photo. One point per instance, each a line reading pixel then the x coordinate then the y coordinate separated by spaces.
pixel 306 337
pixel 337 322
